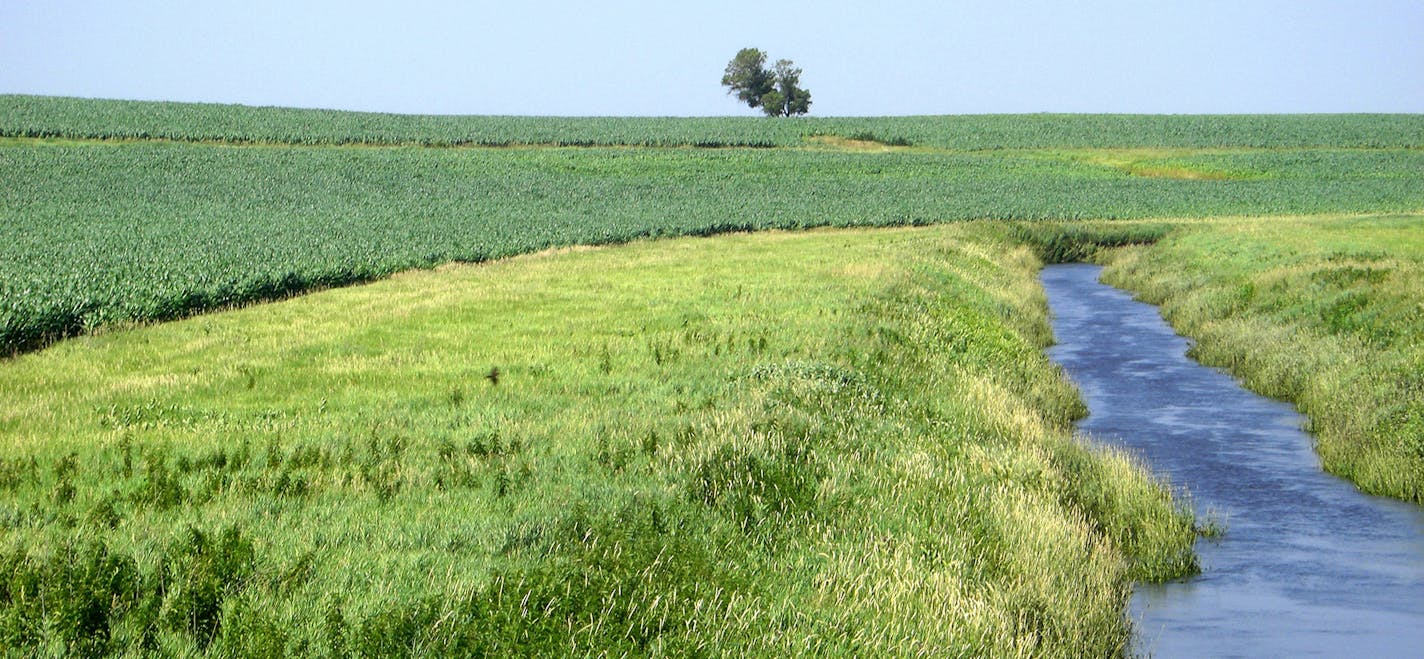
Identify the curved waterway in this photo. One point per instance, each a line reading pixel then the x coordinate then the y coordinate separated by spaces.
pixel 1308 565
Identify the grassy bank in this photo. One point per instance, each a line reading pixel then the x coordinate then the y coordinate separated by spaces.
pixel 826 442
pixel 1327 312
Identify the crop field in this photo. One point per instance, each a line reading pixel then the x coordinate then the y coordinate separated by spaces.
pixel 647 386
pixel 100 234
pixel 72 118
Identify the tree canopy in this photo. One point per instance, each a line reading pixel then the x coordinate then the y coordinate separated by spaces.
pixel 777 91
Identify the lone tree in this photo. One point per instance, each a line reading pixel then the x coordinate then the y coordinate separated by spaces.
pixel 777 92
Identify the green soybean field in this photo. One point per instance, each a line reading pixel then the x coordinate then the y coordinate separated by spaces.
pixel 222 206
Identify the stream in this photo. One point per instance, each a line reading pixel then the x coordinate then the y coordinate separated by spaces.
pixel 1308 565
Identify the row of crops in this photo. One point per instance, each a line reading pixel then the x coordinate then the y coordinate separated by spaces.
pixel 71 118
pixel 102 234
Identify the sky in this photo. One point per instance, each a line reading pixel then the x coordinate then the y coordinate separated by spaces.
pixel 666 58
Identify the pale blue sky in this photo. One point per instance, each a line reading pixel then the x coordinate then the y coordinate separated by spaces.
pixel 626 57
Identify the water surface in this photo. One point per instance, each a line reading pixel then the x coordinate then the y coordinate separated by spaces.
pixel 1308 566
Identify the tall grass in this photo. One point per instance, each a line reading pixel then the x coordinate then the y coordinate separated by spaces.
pixel 836 442
pixel 1067 242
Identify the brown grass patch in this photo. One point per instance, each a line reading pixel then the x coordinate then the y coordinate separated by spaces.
pixel 850 144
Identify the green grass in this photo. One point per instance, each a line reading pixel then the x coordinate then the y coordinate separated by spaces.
pixel 1327 312
pixel 829 442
